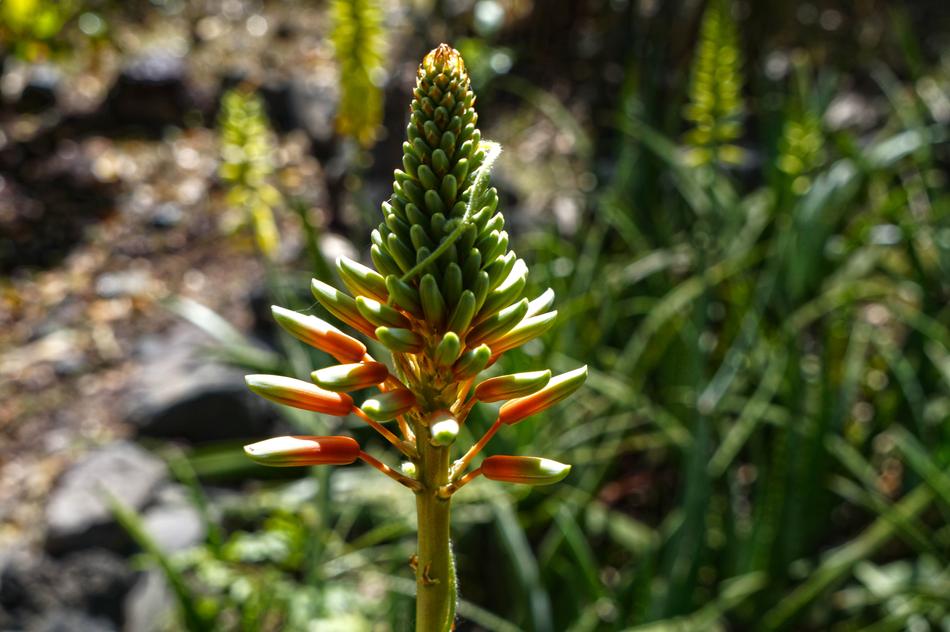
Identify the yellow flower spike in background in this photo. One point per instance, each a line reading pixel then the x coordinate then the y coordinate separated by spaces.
pixel 446 299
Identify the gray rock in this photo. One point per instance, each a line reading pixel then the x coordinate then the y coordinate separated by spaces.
pixel 173 522
pixel 38 592
pixel 149 605
pixel 78 515
pixel 69 621
pixel 181 393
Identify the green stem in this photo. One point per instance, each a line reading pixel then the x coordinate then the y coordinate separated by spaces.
pixel 435 570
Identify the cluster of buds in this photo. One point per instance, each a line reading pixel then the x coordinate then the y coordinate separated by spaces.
pixel 445 299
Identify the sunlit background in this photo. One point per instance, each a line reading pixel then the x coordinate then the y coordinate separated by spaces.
pixel 743 209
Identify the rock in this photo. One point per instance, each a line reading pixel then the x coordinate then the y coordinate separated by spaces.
pixel 37 591
pixel 165 216
pixel 39 93
pixel 300 103
pixel 173 521
pixel 180 392
pixel 70 621
pixel 78 516
pixel 150 93
pixel 149 604
pixel 124 283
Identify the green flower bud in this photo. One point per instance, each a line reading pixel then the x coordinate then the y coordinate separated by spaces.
pixel 448 349
pixel 400 340
pixel 350 377
pixel 472 362
pixel 381 314
pixel 526 330
pixel 340 305
pixel 361 280
pixel 389 405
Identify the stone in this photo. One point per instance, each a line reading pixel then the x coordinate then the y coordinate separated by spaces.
pixel 149 605
pixel 179 392
pixel 78 514
pixel 39 592
pixel 152 92
pixel 173 521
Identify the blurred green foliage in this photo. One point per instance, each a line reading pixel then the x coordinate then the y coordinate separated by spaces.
pixel 247 165
pixel 715 90
pixel 358 41
pixel 31 26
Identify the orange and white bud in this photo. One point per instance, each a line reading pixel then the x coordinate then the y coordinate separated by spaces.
pixel 299 394
pixel 389 405
pixel 291 451
pixel 509 386
pixel 557 389
pixel 350 377
pixel 526 470
pixel 320 334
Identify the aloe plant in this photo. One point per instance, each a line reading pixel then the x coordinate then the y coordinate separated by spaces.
pixel 446 299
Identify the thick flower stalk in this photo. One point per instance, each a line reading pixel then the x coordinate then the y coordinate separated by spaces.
pixel 446 299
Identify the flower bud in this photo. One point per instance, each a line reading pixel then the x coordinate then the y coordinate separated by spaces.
pixel 472 362
pixel 389 405
pixel 361 280
pixel 526 330
pixel 299 394
pixel 498 323
pixel 399 340
pixel 448 349
pixel 320 334
pixel 444 428
pixel 509 291
pixel 543 302
pixel 557 389
pixel 341 306
pixel 350 377
pixel 509 386
pixel 526 470
pixel 380 314
pixel 304 450
pixel 404 295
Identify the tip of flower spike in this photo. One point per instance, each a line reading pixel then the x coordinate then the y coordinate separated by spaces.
pixel 296 450
pixel 443 58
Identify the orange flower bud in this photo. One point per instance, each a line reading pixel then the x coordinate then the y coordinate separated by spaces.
pixel 526 470
pixel 350 377
pixel 508 386
pixel 320 334
pixel 557 389
pixel 299 394
pixel 290 451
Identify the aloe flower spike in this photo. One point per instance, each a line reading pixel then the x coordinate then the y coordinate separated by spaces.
pixel 446 299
